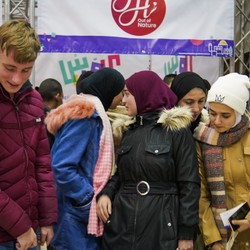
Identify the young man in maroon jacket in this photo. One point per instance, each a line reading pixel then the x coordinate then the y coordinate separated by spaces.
pixel 27 193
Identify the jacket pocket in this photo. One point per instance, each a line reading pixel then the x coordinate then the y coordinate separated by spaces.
pixel 247 157
pixel 247 151
pixel 157 149
pixel 124 150
pixel 80 213
pixel 168 226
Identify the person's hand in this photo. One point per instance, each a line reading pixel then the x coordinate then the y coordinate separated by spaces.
pixel 26 240
pixel 185 245
pixel 217 246
pixel 47 234
pixel 104 208
pixel 244 225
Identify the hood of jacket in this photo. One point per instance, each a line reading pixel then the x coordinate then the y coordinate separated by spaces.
pixel 173 119
pixel 176 118
pixel 76 107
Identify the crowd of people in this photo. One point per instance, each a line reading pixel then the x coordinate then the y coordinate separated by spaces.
pixel 137 163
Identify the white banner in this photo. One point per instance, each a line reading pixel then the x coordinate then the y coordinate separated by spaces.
pixel 166 27
pixel 67 67
pixel 132 35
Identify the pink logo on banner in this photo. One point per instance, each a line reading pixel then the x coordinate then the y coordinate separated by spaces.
pixel 138 17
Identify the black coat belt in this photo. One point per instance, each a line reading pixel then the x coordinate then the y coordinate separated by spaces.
pixel 149 188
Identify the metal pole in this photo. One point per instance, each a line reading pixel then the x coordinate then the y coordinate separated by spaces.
pixel 6 10
pixel 232 59
pixel 242 20
pixel 32 12
pixel 32 23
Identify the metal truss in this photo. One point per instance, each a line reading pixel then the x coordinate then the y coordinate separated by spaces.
pixel 240 63
pixel 19 9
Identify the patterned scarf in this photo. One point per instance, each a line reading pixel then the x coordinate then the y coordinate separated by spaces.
pixel 212 144
pixel 103 166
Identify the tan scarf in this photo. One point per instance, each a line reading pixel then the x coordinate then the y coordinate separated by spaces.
pixel 212 144
pixel 103 166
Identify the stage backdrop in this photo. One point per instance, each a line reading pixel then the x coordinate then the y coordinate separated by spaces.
pixel 66 67
pixel 131 35
pixel 165 27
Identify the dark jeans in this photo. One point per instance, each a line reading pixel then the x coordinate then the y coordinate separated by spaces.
pixel 11 245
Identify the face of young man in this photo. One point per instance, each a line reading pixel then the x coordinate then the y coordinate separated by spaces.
pixel 12 74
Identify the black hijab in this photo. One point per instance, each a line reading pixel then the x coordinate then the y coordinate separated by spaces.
pixel 186 81
pixel 106 83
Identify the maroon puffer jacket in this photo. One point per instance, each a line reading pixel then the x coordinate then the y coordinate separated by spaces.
pixel 27 191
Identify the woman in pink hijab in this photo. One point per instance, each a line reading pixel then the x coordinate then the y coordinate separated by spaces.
pixel 152 200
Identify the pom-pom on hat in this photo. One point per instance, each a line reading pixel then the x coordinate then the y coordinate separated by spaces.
pixel 231 90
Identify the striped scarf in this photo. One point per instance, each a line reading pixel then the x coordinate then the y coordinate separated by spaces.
pixel 212 144
pixel 103 166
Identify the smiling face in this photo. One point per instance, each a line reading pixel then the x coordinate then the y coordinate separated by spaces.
pixel 12 74
pixel 128 101
pixel 222 117
pixel 195 99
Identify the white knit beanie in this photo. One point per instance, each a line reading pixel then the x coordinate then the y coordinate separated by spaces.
pixel 231 90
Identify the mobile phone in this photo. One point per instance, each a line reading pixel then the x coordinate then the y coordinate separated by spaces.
pixel 240 214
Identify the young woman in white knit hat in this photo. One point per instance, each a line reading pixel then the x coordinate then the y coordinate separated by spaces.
pixel 224 153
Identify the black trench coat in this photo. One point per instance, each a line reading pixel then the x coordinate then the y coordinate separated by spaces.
pixel 166 160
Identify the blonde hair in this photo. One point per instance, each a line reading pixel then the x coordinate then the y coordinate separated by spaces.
pixel 18 37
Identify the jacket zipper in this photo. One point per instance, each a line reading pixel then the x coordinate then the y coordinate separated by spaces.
pixel 135 222
pixel 137 200
pixel 24 148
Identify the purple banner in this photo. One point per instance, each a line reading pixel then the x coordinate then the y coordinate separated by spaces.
pixel 115 45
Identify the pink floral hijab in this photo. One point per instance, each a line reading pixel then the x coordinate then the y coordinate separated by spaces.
pixel 150 92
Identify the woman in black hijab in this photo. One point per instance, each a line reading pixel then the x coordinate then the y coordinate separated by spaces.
pixel 105 84
pixel 191 90
pixel 82 157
